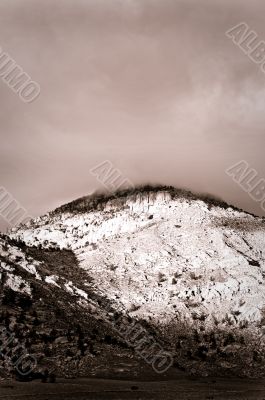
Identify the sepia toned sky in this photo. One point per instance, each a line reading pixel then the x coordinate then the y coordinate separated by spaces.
pixel 154 86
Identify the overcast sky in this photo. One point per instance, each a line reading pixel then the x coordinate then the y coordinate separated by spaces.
pixel 154 86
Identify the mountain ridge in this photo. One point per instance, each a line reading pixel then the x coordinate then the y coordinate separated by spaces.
pixel 100 197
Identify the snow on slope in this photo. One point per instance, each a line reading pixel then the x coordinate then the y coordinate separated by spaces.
pixel 9 256
pixel 165 257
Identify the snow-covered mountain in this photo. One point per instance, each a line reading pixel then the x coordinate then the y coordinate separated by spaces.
pixel 190 268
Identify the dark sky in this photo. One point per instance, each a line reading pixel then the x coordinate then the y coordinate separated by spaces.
pixel 154 86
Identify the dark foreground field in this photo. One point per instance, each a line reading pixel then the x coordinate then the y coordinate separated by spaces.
pixel 95 389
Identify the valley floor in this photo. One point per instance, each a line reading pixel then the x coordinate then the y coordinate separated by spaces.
pixel 184 388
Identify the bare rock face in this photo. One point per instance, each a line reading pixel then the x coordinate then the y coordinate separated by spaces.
pixel 190 268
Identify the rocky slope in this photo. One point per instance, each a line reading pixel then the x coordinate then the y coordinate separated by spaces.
pixel 189 269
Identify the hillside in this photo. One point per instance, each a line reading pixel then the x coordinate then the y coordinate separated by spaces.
pixel 188 269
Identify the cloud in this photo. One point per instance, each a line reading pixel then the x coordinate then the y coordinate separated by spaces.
pixel 155 86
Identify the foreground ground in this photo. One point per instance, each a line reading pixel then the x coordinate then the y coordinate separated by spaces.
pixel 94 389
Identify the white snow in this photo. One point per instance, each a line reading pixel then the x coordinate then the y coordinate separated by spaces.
pixel 52 279
pixel 17 284
pixel 75 291
pixel 163 258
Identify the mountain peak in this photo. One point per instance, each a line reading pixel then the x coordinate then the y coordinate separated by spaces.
pixel 99 199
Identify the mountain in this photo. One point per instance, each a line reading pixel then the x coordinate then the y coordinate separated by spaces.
pixel 152 277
